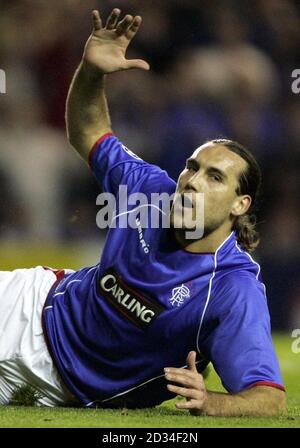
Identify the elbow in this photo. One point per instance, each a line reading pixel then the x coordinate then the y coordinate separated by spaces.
pixel 271 401
pixel 281 403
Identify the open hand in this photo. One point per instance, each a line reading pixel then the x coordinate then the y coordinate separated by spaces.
pixel 191 385
pixel 106 48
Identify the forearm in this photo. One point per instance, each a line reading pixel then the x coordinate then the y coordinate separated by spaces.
pixel 87 115
pixel 260 402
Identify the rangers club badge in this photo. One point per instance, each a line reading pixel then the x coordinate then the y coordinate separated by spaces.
pixel 179 295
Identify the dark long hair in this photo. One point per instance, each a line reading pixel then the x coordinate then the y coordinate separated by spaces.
pixel 249 183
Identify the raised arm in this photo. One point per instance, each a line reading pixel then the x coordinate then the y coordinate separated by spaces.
pixel 87 115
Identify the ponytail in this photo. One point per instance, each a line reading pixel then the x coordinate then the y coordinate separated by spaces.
pixel 249 183
pixel 246 233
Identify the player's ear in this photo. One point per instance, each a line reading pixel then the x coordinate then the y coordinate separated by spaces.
pixel 241 205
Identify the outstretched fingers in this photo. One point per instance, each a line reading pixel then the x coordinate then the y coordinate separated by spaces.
pixel 113 18
pixel 97 22
pixel 128 26
pixel 124 25
pixel 134 27
pixel 118 33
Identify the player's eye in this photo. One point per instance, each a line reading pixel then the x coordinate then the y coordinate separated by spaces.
pixel 216 178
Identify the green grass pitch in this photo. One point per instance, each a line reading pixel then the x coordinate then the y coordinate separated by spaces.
pixel 166 415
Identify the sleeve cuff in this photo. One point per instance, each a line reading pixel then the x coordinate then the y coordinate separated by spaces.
pixel 95 146
pixel 267 383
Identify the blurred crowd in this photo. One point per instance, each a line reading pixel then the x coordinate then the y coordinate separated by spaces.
pixel 218 69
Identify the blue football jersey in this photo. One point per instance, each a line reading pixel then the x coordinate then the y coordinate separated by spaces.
pixel 113 327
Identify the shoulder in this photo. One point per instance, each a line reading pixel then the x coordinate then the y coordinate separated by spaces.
pixel 237 279
pixel 160 180
pixel 239 290
pixel 237 273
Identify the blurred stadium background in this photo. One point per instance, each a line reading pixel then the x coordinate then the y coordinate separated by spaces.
pixel 219 68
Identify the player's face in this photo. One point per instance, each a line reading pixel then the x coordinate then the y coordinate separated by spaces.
pixel 214 171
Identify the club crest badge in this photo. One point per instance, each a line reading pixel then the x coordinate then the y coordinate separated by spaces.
pixel 179 295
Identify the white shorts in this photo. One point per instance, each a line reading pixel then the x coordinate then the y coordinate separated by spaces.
pixel 24 357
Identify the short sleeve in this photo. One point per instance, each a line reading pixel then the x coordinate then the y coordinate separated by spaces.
pixel 113 164
pixel 236 335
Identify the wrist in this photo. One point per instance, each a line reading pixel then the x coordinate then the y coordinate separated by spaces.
pixel 90 72
pixel 206 408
